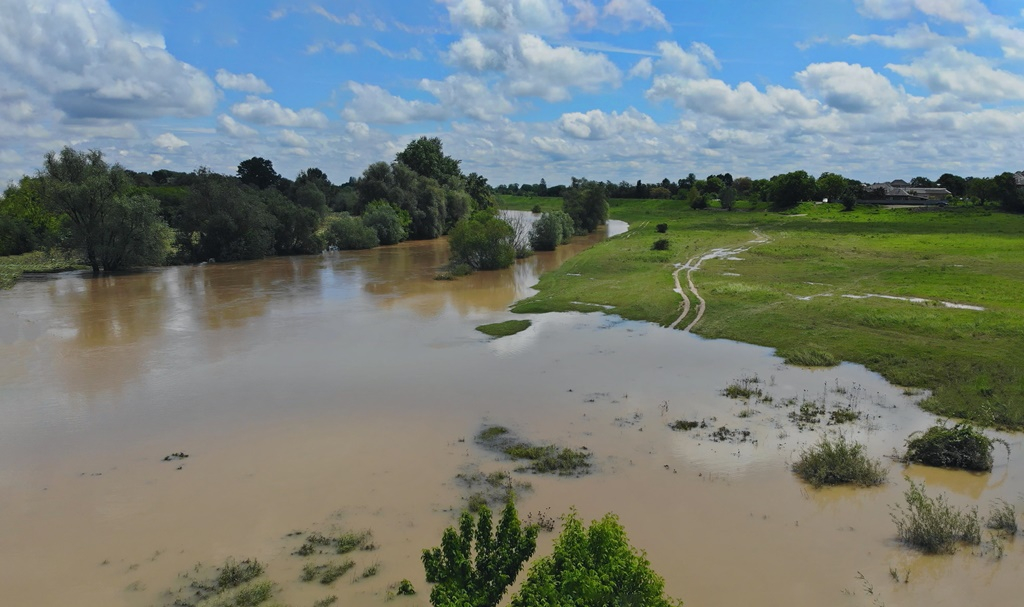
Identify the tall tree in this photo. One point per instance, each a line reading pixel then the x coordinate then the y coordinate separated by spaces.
pixel 426 157
pixel 789 189
pixel 258 172
pixel 587 203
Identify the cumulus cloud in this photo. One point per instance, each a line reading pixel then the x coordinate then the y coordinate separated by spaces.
pixel 545 16
pixel 90 65
pixel 911 37
pixel 693 63
pixel 247 83
pixel 470 53
pixel 549 72
pixel 643 68
pixel 597 124
pixel 169 141
pixel 586 12
pixel 468 96
pixel 963 75
pixel 271 113
pixel 744 102
pixel 639 12
pixel 292 139
pixel 373 104
pixel 847 87
pixel 232 128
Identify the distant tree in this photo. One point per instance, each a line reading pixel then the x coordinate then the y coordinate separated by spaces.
pixel 847 197
pixel 587 203
pixel 295 227
pixel 728 198
pixel 659 193
pixel 426 157
pixel 258 172
pixel 743 185
pixel 389 224
pixel 789 189
pixel 713 185
pixel 922 182
pixel 956 185
pixel 474 565
pixel 1005 190
pixel 481 193
pixel 222 220
pixel 308 195
pixel 551 230
pixel 594 566
pixel 696 199
pixel 347 232
pixel 830 186
pixel 111 228
pixel 542 188
pixel 483 242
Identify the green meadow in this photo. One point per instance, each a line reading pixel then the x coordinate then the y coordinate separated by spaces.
pixel 969 360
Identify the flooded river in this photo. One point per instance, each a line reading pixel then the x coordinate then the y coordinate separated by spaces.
pixel 343 391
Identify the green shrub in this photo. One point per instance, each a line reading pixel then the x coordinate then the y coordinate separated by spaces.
pixel 593 566
pixel 661 228
pixel 551 230
pixel 933 526
pixel 233 573
pixel 405 588
pixel 390 224
pixel 962 447
pixel 536 209
pixel 1003 517
pixel 839 462
pixel 660 245
pixel 347 233
pixel 483 242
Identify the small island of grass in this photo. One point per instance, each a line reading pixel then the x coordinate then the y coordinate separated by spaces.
pixel 503 329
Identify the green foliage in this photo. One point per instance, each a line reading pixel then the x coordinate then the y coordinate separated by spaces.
pixel 1002 517
pixel 592 567
pixel 390 224
pixel 25 223
pixel 258 172
pixel 587 203
pixel 536 209
pixel 789 189
pixel 961 446
pixel 727 198
pixel 347 232
pixel 426 157
pixel 326 573
pixel 839 462
pixel 661 228
pixel 405 588
pixel 551 230
pixel 234 573
pixel 543 459
pixel 473 566
pixel 660 245
pixel 504 329
pixel 483 242
pixel 223 221
pixel 294 227
pixel 932 525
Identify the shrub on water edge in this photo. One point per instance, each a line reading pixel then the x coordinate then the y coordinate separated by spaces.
pixel 536 209
pixel 1002 517
pixel 839 462
pixel 962 447
pixel 932 525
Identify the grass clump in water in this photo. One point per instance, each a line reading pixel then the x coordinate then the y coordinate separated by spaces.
pixel 1002 517
pixel 327 573
pixel 962 447
pixel 932 525
pixel 839 462
pixel 342 543
pixel 237 573
pixel 810 356
pixel 543 459
pixel 743 388
pixel 504 329
pixel 682 425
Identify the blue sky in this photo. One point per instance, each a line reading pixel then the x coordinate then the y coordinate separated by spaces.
pixel 520 89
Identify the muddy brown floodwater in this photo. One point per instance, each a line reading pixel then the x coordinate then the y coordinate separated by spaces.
pixel 343 391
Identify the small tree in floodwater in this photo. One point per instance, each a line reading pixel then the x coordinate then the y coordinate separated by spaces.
pixel 474 566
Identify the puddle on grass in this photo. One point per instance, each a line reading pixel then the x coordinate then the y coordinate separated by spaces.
pixel 344 391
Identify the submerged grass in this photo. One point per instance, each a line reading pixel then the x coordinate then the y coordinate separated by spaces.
pixel 544 459
pixel 965 358
pixel 13 266
pixel 504 329
pixel 809 356
pixel 932 525
pixel 837 461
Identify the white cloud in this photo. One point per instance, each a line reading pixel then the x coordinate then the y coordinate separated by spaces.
pixel 742 103
pixel 596 124
pixel 91 65
pixel 643 68
pixel 292 139
pixel 350 19
pixel 373 104
pixel 470 53
pixel 248 83
pixel 413 53
pixel 468 96
pixel 342 48
pixel 586 12
pixel 170 141
pixel 963 75
pixel 848 87
pixel 693 63
pixel 508 15
pixel 555 147
pixel 639 12
pixel 548 72
pixel 910 37
pixel 232 128
pixel 269 112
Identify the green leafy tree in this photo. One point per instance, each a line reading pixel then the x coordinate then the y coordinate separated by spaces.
pixel 347 232
pixel 551 230
pixel 258 172
pixel 426 157
pixel 593 567
pixel 473 566
pixel 483 242
pixel 133 233
pixel 956 184
pixel 695 198
pixel 25 222
pixel 389 224
pixel 728 198
pixel 587 203
pixel 224 221
pixel 789 189
pixel 1005 190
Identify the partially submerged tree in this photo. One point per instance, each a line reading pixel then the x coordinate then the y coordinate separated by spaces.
pixel 587 203
pixel 483 242
pixel 473 566
pixel 551 230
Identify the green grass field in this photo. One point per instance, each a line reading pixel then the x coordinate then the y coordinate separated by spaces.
pixel 970 360
pixel 12 267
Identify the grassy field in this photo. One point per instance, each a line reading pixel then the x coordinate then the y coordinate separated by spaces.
pixel 12 267
pixel 969 359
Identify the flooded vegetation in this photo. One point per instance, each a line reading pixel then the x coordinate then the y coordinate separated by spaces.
pixel 325 418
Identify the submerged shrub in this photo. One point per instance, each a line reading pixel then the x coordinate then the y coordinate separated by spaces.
pixel 1002 517
pixel 933 526
pixel 962 447
pixel 839 462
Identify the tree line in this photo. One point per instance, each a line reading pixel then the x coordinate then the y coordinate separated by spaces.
pixel 787 189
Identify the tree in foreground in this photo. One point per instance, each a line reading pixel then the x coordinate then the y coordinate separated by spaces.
pixel 483 242
pixel 593 567
pixel 473 566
